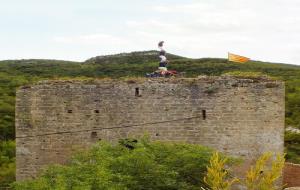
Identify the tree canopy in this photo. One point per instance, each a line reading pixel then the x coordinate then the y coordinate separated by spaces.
pixel 147 165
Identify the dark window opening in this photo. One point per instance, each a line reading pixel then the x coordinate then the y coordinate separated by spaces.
pixel 94 134
pixel 70 111
pixel 137 92
pixel 96 111
pixel 203 114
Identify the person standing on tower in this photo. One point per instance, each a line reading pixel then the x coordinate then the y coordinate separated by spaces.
pixel 163 59
pixel 162 68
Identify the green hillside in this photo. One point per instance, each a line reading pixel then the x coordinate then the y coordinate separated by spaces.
pixel 131 58
pixel 14 73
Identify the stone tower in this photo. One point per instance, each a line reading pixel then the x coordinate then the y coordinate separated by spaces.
pixel 240 117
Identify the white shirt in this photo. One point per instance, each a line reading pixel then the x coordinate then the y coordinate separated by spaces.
pixel 162 58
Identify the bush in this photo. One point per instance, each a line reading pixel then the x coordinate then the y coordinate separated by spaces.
pixel 7 163
pixel 145 165
pixel 217 177
pixel 262 176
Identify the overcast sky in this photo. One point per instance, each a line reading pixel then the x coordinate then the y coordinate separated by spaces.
pixel 267 30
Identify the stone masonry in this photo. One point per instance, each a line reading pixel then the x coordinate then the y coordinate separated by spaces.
pixel 240 117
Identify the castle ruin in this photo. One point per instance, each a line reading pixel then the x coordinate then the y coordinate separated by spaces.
pixel 240 117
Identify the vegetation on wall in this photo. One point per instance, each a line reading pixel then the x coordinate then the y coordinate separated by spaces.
pixel 14 73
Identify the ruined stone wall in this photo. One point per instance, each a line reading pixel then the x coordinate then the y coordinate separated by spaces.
pixel 241 117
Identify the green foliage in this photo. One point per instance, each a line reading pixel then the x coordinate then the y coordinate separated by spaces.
pixel 292 145
pixel 15 73
pixel 293 103
pixel 7 163
pixel 217 177
pixel 149 165
pixel 129 58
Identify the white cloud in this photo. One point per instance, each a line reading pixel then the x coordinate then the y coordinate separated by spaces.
pixel 184 8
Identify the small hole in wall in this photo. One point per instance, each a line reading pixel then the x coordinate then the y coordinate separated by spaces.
pixel 70 111
pixel 157 134
pixel 138 92
pixel 93 134
pixel 203 114
pixel 96 111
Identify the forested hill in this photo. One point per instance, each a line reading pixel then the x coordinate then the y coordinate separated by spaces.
pixel 14 73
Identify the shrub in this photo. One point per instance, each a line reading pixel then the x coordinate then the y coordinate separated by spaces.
pixel 146 165
pixel 217 177
pixel 262 176
pixel 7 163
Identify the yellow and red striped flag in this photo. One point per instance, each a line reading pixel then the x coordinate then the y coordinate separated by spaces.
pixel 237 58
